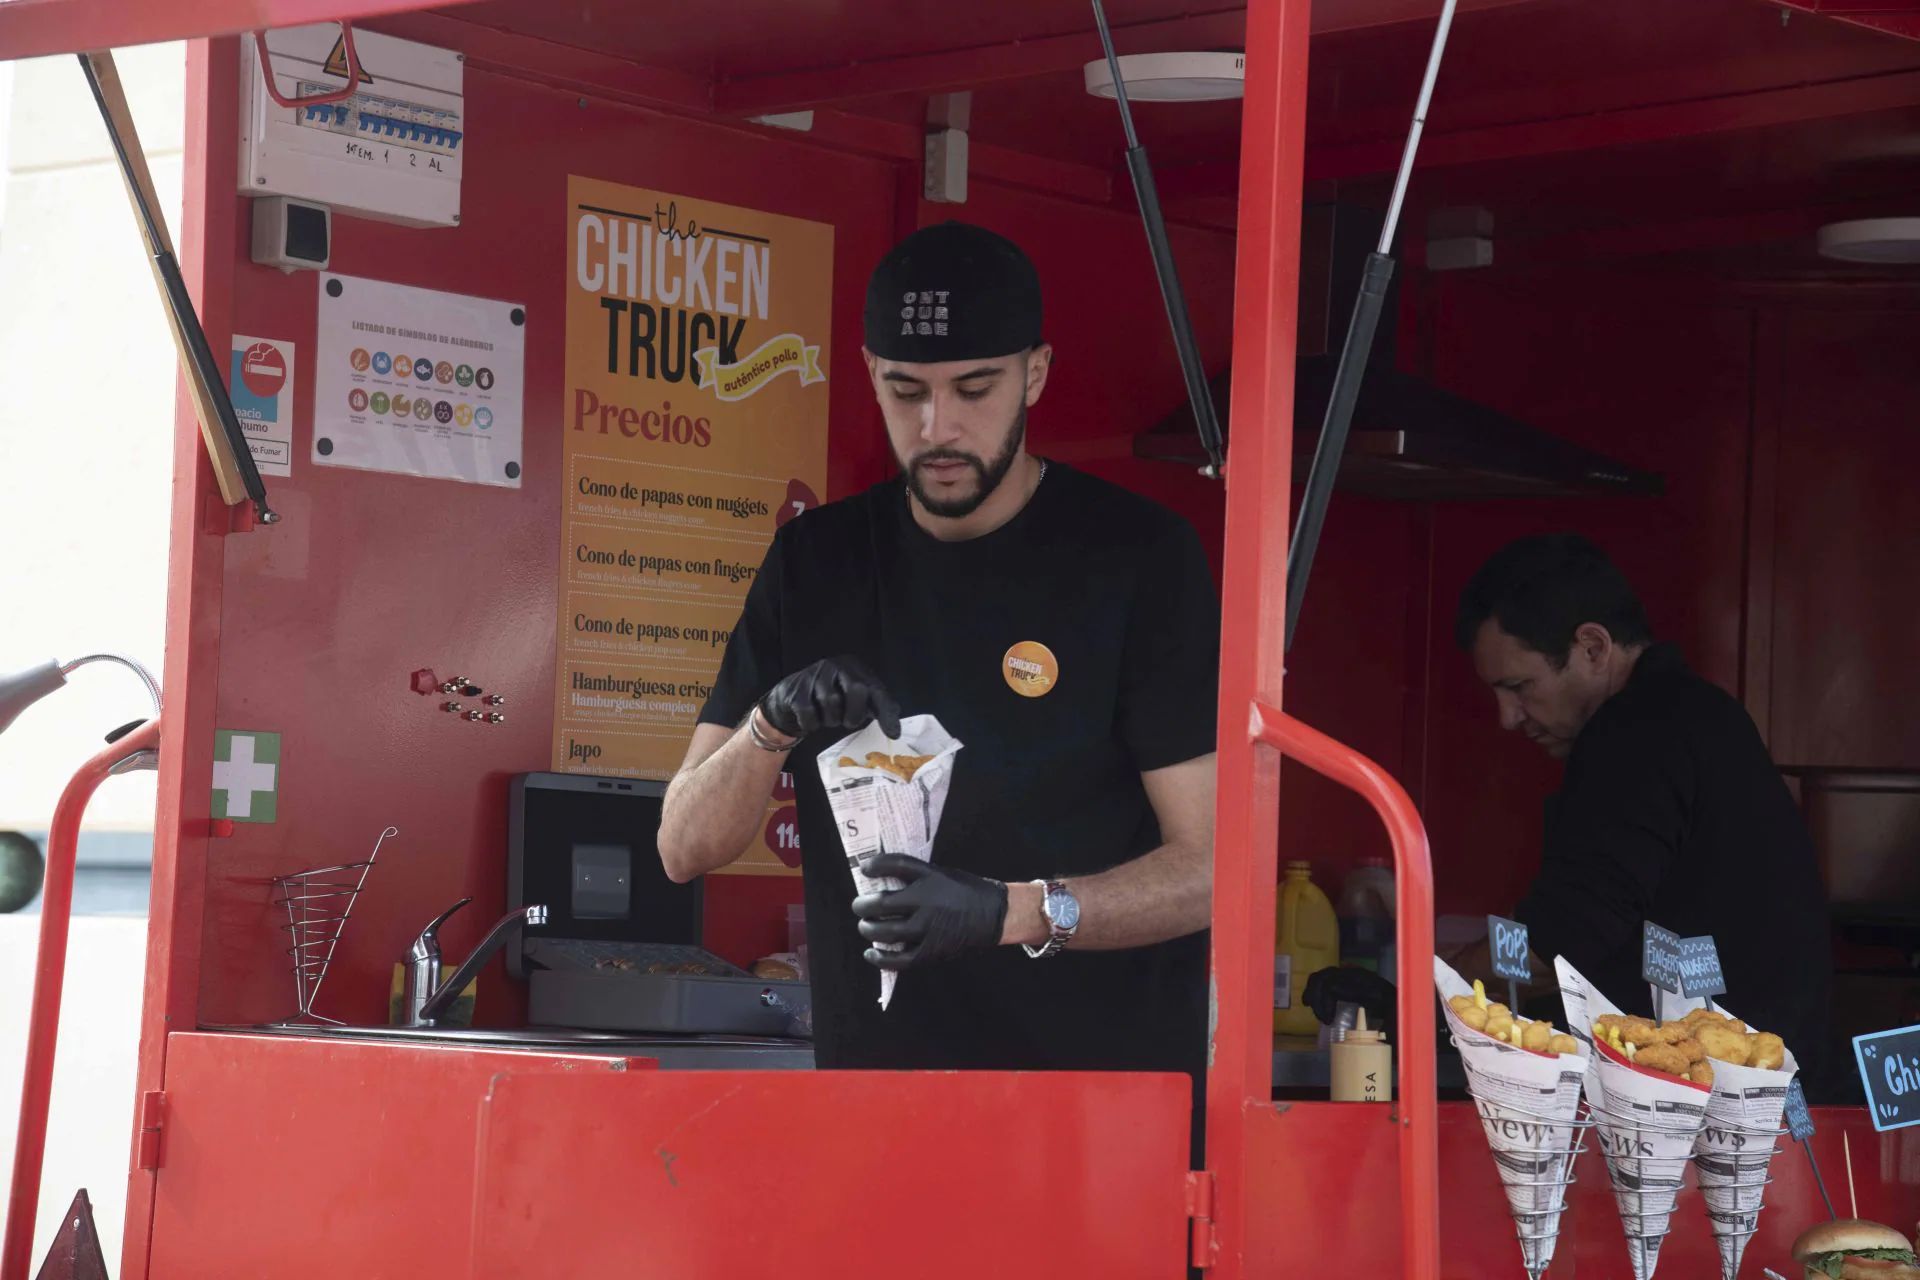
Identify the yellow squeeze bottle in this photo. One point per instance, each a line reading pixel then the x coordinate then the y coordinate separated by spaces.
pixel 1306 940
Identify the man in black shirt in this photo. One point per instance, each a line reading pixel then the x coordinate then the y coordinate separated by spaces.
pixel 1062 920
pixel 1671 810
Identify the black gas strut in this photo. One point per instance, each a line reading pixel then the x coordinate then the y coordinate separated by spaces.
pixel 1353 355
pixel 202 369
pixel 1148 197
pixel 1360 328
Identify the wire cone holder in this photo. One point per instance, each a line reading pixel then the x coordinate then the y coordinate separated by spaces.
pixel 1733 1161
pixel 318 902
pixel 1647 1158
pixel 1534 1149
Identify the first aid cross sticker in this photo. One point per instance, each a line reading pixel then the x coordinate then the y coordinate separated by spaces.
pixel 246 775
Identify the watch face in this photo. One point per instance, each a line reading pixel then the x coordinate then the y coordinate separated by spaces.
pixel 1064 910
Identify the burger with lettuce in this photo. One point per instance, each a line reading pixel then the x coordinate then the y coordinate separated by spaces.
pixel 1850 1249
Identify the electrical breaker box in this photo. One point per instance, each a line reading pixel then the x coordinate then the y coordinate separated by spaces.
pixel 392 151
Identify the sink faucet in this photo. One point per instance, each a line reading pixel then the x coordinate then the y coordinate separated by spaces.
pixel 427 998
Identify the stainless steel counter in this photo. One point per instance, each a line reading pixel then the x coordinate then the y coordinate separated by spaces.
pixel 675 1053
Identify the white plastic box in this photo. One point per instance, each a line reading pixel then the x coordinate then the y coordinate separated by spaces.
pixel 392 151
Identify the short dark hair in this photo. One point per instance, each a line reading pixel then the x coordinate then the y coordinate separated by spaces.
pixel 1544 588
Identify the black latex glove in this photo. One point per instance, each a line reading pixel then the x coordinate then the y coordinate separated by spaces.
pixel 942 912
pixel 834 693
pixel 1330 988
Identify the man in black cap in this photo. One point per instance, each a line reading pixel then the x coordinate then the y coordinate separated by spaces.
pixel 1062 920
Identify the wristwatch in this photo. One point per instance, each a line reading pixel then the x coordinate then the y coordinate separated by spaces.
pixel 1062 910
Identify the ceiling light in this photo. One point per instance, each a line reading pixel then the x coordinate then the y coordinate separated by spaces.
pixel 1173 77
pixel 1881 240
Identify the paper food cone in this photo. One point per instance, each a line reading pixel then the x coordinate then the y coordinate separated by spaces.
pixel 1736 1148
pixel 1647 1124
pixel 1528 1104
pixel 878 811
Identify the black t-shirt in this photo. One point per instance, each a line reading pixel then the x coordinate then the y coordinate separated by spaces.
pixel 1120 591
pixel 1673 812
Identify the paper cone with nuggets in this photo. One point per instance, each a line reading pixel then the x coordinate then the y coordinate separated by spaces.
pixel 1751 1071
pixel 887 796
pixel 1647 1121
pixel 1528 1102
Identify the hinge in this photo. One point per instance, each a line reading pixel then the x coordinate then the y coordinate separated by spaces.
pixel 1200 1210
pixel 152 1109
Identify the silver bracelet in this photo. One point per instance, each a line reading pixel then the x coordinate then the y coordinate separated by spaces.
pixel 761 740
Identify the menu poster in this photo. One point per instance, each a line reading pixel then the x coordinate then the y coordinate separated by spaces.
pixel 695 424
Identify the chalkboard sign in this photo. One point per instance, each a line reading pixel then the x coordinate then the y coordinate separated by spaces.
pixel 1660 957
pixel 1799 1119
pixel 1508 940
pixel 1890 1069
pixel 1700 968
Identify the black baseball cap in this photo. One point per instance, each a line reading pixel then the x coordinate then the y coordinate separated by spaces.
pixel 953 291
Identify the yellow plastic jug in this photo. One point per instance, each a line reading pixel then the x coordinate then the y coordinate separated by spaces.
pixel 1306 940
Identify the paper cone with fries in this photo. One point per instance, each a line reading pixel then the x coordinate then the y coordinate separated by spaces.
pixel 1528 1099
pixel 887 796
pixel 1648 1086
pixel 1751 1070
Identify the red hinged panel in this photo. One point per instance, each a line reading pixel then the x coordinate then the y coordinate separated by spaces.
pixel 948 1176
pixel 297 1158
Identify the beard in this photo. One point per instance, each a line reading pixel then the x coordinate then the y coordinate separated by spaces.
pixel 987 475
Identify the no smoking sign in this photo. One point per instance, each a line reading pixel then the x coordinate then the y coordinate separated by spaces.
pixel 264 369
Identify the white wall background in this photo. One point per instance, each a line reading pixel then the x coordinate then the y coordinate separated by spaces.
pixel 86 423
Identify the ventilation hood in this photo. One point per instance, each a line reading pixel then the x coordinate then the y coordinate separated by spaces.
pixel 1411 440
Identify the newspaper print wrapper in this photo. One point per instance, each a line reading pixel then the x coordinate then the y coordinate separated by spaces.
pixel 1647 1124
pixel 1527 1104
pixel 878 811
pixel 1734 1152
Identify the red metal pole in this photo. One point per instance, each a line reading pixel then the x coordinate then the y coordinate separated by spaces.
pixel 43 1026
pixel 1253 623
pixel 1418 1100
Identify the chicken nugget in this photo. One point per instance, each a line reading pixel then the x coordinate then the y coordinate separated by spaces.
pixel 1713 1017
pixel 902 767
pixel 910 765
pixel 1768 1051
pixel 1460 1004
pixel 1499 1028
pixel 1662 1057
pixel 1498 1010
pixel 1723 1042
pixel 848 762
pixel 1695 1051
pixel 1641 1032
pixel 1474 1016
pixel 1563 1044
pixel 1537 1036
pixel 1701 1073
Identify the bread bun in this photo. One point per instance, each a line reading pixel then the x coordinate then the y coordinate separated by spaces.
pixel 776 968
pixel 1847 1235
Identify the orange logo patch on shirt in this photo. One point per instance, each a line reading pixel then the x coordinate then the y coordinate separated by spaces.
pixel 1030 669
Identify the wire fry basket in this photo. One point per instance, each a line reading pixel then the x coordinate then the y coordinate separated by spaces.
pixel 318 902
